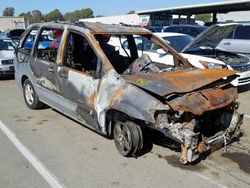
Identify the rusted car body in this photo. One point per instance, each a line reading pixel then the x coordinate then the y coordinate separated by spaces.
pixel 195 108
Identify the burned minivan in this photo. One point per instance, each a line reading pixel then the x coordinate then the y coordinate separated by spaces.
pixel 82 76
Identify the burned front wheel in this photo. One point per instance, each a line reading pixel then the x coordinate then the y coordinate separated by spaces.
pixel 128 138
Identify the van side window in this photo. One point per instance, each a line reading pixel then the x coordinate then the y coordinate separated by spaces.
pixel 242 32
pixel 79 54
pixel 28 43
pixel 48 44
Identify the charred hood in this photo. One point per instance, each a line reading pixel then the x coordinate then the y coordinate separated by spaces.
pixel 179 81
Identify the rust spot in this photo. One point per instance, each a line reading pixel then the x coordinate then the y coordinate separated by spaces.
pixel 201 147
pixel 92 100
pixel 198 103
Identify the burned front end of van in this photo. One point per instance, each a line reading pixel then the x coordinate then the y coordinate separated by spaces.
pixel 201 121
pixel 198 116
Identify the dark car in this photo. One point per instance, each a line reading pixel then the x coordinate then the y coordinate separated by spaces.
pixel 192 30
pixel 122 96
pixel 15 34
pixel 154 29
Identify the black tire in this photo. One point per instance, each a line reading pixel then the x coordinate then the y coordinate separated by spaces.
pixel 128 138
pixel 30 96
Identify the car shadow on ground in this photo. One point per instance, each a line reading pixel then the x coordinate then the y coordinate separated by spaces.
pixel 243 88
pixel 153 137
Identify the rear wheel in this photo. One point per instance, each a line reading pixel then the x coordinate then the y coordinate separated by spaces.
pixel 128 138
pixel 30 97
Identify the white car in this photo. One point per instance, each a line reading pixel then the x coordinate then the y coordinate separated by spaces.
pixel 7 56
pixel 176 40
pixel 238 41
pixel 206 44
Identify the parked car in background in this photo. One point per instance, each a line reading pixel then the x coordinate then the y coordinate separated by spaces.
pixel 7 56
pixel 154 28
pixel 4 34
pixel 176 40
pixel 238 41
pixel 179 41
pixel 15 34
pixel 192 30
pixel 124 95
pixel 206 45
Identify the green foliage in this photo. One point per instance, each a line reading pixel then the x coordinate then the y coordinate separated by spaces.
pixel 203 17
pixel 98 16
pixel 34 16
pixel 9 11
pixel 54 15
pixel 131 12
pixel 78 14
pixel 37 16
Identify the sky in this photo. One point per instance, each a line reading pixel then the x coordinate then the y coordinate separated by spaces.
pixel 105 8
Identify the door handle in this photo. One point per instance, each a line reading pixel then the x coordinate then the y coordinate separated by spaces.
pixel 51 69
pixel 227 43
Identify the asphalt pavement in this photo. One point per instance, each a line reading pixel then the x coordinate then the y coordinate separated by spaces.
pixel 43 148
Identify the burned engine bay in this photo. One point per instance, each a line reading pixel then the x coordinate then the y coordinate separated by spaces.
pixel 226 57
pixel 199 130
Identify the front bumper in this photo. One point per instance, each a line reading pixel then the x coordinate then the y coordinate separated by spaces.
pixel 191 147
pixel 7 70
pixel 244 78
pixel 191 151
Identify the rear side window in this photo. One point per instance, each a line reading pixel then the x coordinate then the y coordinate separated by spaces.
pixel 242 32
pixel 48 44
pixel 29 40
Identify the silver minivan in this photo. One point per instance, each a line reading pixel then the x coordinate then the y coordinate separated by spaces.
pixel 122 96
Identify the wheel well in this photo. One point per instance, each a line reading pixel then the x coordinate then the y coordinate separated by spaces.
pixel 114 115
pixel 24 77
pixel 111 116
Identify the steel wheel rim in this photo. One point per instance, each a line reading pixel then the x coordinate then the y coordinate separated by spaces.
pixel 29 94
pixel 123 138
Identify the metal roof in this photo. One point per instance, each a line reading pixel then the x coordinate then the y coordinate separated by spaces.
pixel 220 7
pixel 108 28
pixel 96 28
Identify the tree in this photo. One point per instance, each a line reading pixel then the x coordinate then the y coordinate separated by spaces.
pixel 9 11
pixel 54 15
pixel 131 12
pixel 203 17
pixel 87 13
pixel 36 16
pixel 78 14
pixel 98 16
